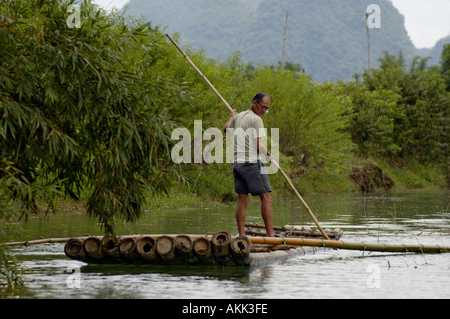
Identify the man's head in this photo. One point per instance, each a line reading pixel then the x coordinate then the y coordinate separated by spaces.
pixel 261 104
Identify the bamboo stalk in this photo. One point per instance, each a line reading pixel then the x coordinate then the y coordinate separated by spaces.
pixel 352 245
pixel 273 161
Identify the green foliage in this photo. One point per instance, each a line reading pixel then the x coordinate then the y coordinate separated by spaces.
pixel 10 273
pixel 398 114
pixel 310 118
pixel 82 109
pixel 391 61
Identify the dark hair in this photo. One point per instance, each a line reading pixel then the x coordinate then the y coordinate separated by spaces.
pixel 258 97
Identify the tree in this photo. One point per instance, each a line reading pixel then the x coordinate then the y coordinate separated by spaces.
pixel 419 64
pixel 399 114
pixel 82 111
pixel 391 61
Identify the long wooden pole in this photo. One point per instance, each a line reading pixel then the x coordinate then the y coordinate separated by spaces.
pixel 368 40
pixel 418 248
pixel 273 161
pixel 352 245
pixel 284 40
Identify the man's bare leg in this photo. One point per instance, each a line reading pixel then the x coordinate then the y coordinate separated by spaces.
pixel 267 213
pixel 240 213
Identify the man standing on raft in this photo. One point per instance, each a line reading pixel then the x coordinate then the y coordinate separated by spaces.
pixel 250 175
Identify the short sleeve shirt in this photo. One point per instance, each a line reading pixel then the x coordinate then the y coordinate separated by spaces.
pixel 247 127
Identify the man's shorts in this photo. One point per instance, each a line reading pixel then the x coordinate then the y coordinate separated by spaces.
pixel 251 178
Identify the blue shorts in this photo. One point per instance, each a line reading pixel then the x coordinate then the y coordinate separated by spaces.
pixel 251 178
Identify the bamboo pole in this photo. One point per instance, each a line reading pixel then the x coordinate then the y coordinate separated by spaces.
pixel 273 161
pixel 368 40
pixel 352 245
pixel 284 40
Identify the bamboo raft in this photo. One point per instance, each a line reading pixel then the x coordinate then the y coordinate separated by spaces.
pixel 215 249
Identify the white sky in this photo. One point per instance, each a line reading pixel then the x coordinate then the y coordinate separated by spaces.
pixel 426 21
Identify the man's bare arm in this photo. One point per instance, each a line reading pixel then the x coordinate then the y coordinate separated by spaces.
pixel 262 150
pixel 233 115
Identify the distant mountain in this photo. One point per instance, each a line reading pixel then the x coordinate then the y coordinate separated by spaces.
pixel 175 14
pixel 326 37
pixel 215 26
pixel 436 52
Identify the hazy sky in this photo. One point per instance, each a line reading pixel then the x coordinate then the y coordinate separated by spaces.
pixel 426 21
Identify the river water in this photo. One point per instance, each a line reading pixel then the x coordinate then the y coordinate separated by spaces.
pixel 397 218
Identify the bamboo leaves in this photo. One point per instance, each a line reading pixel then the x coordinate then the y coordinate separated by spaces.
pixel 75 114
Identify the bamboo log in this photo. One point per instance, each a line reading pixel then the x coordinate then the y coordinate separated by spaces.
pixel 93 247
pixel 146 248
pixel 221 247
pixel 165 247
pixel 111 246
pixel 240 248
pixel 352 245
pixel 203 249
pixel 74 249
pixel 127 249
pixel 185 245
pixel 220 243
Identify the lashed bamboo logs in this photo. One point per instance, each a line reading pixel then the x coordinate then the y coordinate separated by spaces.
pixel 218 249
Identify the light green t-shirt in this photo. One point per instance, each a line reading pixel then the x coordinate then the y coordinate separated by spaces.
pixel 247 127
